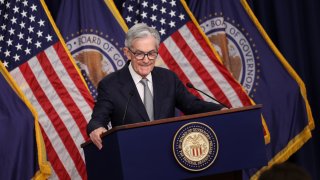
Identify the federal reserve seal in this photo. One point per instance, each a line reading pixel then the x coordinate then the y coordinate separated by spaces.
pixel 195 146
pixel 236 48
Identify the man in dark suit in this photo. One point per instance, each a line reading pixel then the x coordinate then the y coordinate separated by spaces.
pixel 140 91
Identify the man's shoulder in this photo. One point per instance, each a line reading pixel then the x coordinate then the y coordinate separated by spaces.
pixel 113 77
pixel 163 71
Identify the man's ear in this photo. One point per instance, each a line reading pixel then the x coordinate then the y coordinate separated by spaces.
pixel 127 52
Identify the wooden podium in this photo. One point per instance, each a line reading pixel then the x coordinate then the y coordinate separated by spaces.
pixel 145 150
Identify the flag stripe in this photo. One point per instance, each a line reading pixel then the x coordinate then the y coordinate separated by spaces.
pixel 62 111
pixel 73 73
pixel 64 96
pixel 185 66
pixel 55 161
pixel 168 60
pixel 55 144
pixel 80 100
pixel 60 127
pixel 201 70
pixel 229 85
pixel 211 65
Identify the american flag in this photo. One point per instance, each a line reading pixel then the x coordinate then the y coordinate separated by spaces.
pixel 38 61
pixel 185 50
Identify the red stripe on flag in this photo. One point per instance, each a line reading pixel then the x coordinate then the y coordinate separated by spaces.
pixel 63 93
pixel 199 68
pixel 73 73
pixel 54 159
pixel 233 83
pixel 55 119
pixel 172 64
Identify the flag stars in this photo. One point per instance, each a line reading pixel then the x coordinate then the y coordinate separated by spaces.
pixel 3 27
pixel 128 19
pixel 162 21
pixel 153 17
pixel 32 18
pixel 11 31
pixel 15 9
pixel 181 16
pixel 23 13
pixel 5 16
pixel 16 57
pixel 172 24
pixel 137 11
pixel 8 5
pixel 27 51
pixel 145 4
pixel 19 46
pixel 39 33
pixel 29 40
pixel 25 3
pixel 9 42
pixel 154 7
pixel 144 15
pixel 130 8
pixel 173 3
pixel 41 22
pixel 22 25
pixel 34 7
pixel 7 53
pixel 30 29
pixel 162 31
pixel 38 44
pixel 13 20
pixel 163 10
pixel 1 37
pixel 49 37
pixel 6 64
pixel 172 13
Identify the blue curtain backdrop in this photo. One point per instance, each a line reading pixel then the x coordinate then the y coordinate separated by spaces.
pixel 294 26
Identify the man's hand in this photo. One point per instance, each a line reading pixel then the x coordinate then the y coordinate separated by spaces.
pixel 95 136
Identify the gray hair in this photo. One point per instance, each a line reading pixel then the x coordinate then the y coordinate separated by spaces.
pixel 141 30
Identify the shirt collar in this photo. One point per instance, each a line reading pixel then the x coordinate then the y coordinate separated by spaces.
pixel 136 77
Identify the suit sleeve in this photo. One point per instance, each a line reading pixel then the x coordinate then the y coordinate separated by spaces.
pixel 190 104
pixel 102 110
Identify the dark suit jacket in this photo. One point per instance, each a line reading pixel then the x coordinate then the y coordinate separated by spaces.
pixel 168 93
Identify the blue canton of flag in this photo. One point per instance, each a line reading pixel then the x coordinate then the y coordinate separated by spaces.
pixel 24 32
pixel 165 16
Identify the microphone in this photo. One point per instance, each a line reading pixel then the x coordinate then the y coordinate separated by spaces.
pixel 189 85
pixel 131 93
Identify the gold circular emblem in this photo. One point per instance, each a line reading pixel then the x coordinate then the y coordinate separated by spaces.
pixel 195 146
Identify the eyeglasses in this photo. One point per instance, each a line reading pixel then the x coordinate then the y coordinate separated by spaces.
pixel 152 55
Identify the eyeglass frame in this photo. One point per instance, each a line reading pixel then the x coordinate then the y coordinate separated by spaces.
pixel 144 54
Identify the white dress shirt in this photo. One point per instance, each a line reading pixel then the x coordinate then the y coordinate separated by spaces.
pixel 136 78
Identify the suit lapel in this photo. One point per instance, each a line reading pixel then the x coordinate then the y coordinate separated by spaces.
pixel 128 86
pixel 158 94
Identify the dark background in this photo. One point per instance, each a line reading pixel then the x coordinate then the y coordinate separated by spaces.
pixel 294 27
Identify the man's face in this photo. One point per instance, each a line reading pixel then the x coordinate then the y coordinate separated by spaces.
pixel 140 47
